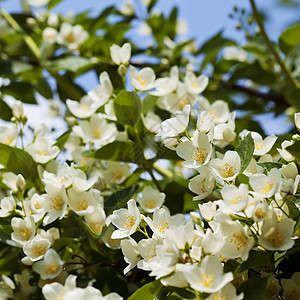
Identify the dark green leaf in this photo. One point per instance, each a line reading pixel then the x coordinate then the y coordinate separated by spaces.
pixel 295 150
pixel 245 150
pixel 146 292
pixel 22 91
pixel 19 162
pixel 5 111
pixel 293 98
pixel 60 142
pixel 270 165
pixel 290 38
pixel 148 103
pixel 127 107
pixel 53 3
pixel 43 88
pixel 13 67
pixel 254 288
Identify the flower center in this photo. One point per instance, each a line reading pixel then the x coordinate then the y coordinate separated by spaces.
pixel 130 221
pixel 268 187
pixel 236 200
pixel 259 213
pixel 83 205
pixel 161 227
pixel 258 146
pixel 238 240
pixel 56 202
pixel 142 81
pixel 39 250
pixel 150 204
pixel 51 268
pixel 228 170
pixel 24 233
pixel 207 280
pixel 274 237
pixel 200 155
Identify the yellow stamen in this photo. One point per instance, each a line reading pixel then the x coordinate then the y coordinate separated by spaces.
pixel 129 223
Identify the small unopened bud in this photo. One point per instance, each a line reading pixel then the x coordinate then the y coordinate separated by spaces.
pixel 122 70
pixel 296 137
pixel 17 109
pixel 71 120
pixel 20 183
pixel 286 189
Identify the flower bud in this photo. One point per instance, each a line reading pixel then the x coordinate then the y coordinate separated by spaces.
pixel 297 120
pixel 20 183
pixel 289 171
pixel 17 110
pixel 122 70
pixel 287 188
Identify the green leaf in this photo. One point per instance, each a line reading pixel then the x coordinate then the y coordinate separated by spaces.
pixel 5 111
pixel 295 150
pixel 119 151
pixel 19 162
pixel 148 103
pixel 254 288
pixel 270 165
pixel 53 3
pixel 293 98
pixel 127 107
pixel 13 67
pixel 146 292
pixel 60 142
pixel 22 91
pixel 289 38
pixel 245 150
pixel 71 63
pixel 43 88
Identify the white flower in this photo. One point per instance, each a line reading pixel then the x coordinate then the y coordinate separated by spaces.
pixel 291 287
pixel 262 146
pixel 195 85
pixel 253 168
pixel 202 184
pixel 172 127
pixel 101 93
pixel 108 241
pixel 9 136
pixel 42 150
pixel 208 210
pixel 205 121
pixel 83 109
pixel 96 220
pixel 196 152
pixel 50 267
pixel 56 201
pixel 115 172
pixel 289 171
pixel 277 236
pixel 50 35
pixel 37 2
pixel 83 203
pixel 23 230
pixel 71 36
pixel 38 204
pixel 35 249
pixel 224 132
pixel 127 8
pixel 234 53
pixel 120 55
pixel 209 277
pixel 126 220
pixel 80 182
pixel 260 211
pixel 297 120
pixel 151 199
pixel 64 176
pixel 96 130
pixel 130 252
pixel 152 122
pixel 7 205
pixel 228 167
pixel 235 198
pixel 20 182
pixel 227 292
pixel 266 185
pixel 284 153
pixel 142 80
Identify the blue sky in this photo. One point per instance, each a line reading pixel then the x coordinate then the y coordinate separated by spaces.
pixel 204 18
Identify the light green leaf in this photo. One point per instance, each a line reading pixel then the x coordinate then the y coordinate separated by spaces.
pixel 127 107
pixel 289 38
pixel 53 3
pixel 146 292
pixel 245 150
pixel 148 103
pixel 71 63
pixel 60 142
pixel 270 165
pixel 294 150
pixel 19 162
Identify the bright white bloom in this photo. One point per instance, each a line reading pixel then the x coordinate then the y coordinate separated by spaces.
pixel 83 203
pixel 228 167
pixel 37 2
pixel 289 171
pixel 56 201
pixel 120 55
pixel 195 85
pixel 262 146
pixel 7 205
pixel 101 93
pixel 196 152
pixel 209 277
pixel 130 252
pixel 90 293
pixel 152 122
pixel 42 150
pixel 126 220
pixel 142 80
pixel 260 211
pixel 219 109
pixel 277 236
pixel 50 267
pixel 108 241
pixel 83 109
pixel 20 182
pixel 9 179
pixel 96 130
pixel 50 35
pixel 151 199
pixel 162 221
pixel 253 168
pixel 127 8
pixel 208 210
pixel 80 182
pixel 96 220
pixel 291 287
pixel 115 172
pixel 224 132
pixel 71 36
pixel 23 230
pixel 9 136
pixel 284 153
pixel 227 292
pixel 266 185
pixel 38 204
pixel 202 184
pixel 297 120
pixel 165 86
pixel 172 127
pixel 64 176
pixel 235 198
pixel 51 234
pixel 177 278
pixel 205 121
pixel 35 249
